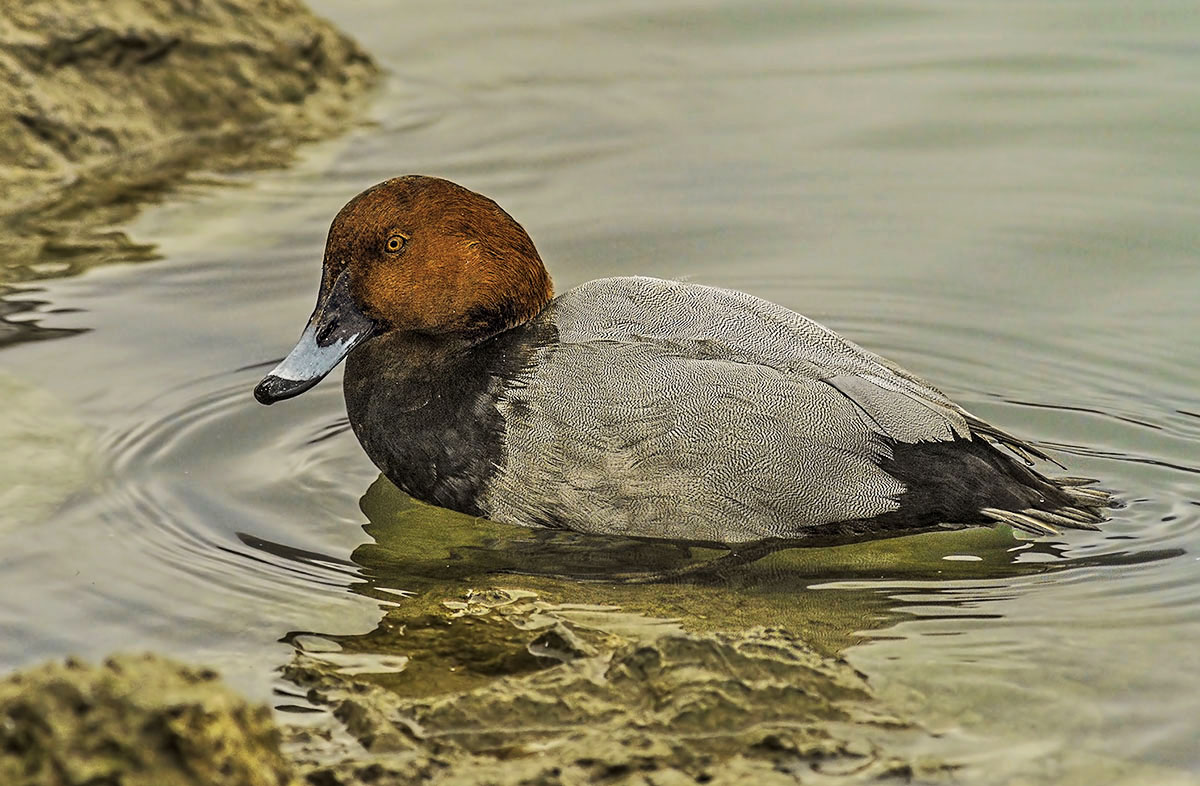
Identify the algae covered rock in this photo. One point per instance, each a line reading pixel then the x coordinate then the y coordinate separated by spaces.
pixel 105 104
pixel 133 721
pixel 585 695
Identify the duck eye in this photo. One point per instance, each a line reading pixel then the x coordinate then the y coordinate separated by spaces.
pixel 395 243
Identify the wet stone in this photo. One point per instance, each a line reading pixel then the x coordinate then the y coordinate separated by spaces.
pixel 655 706
pixel 133 721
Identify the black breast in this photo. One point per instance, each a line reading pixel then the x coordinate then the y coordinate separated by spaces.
pixel 425 410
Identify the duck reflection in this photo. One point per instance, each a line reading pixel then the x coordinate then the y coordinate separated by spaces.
pixel 506 647
pixel 831 594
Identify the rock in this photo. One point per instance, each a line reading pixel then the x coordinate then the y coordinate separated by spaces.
pixel 652 704
pixel 133 721
pixel 106 104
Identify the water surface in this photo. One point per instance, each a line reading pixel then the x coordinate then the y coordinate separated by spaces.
pixel 999 196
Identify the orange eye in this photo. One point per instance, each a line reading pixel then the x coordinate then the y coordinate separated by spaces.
pixel 395 243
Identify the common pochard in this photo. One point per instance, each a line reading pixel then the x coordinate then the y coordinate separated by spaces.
pixel 634 406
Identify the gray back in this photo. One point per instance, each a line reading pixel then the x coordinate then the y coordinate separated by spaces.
pixel 682 411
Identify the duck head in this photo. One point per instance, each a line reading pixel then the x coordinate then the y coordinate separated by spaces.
pixel 414 255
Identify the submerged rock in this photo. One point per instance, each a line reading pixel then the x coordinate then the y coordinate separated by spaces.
pixel 582 701
pixel 105 104
pixel 499 686
pixel 133 721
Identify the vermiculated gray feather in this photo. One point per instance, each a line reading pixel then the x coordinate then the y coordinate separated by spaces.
pixel 674 410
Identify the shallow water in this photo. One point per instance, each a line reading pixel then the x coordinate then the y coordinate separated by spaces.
pixel 999 196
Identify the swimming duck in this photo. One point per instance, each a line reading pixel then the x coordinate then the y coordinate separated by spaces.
pixel 634 406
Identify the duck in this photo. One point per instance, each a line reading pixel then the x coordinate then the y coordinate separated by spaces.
pixel 635 406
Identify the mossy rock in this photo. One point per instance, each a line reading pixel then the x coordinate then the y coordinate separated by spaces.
pixel 133 721
pixel 106 105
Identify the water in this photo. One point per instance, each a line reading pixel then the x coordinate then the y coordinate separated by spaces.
pixel 999 196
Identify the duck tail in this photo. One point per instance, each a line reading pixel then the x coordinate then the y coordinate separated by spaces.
pixel 1026 451
pixel 1074 506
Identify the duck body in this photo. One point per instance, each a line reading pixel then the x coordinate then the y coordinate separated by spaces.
pixel 650 408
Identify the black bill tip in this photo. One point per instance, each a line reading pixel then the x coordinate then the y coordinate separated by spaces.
pixel 274 388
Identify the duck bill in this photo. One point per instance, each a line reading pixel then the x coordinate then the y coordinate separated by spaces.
pixel 336 326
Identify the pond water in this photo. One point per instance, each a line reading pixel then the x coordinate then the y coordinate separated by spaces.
pixel 1000 196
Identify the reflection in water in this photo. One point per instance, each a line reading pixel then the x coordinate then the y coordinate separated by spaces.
pixel 27 326
pixel 501 637
pixel 31 253
pixel 414 541
pixel 487 647
pixel 427 552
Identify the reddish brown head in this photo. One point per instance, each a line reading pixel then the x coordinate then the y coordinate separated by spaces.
pixel 429 256
pixel 416 255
